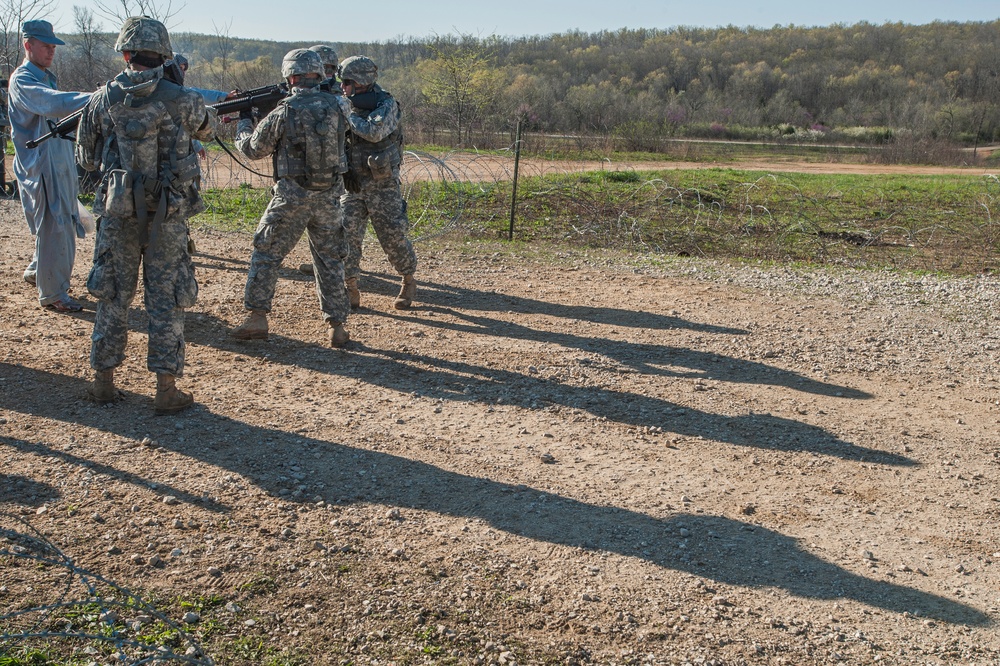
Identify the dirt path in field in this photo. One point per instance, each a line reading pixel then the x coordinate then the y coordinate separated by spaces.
pixel 565 457
pixel 223 171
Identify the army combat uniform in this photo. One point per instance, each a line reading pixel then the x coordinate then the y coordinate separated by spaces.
pixel 375 153
pixel 305 135
pixel 138 131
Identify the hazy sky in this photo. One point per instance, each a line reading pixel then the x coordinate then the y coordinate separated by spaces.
pixel 381 20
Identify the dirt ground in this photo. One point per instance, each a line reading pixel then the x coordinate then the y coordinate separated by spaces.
pixel 555 457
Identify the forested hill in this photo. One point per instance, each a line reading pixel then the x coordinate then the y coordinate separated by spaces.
pixel 940 79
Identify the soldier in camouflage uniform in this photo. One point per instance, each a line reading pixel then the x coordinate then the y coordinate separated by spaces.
pixel 330 62
pixel 138 132
pixel 305 133
pixel 375 152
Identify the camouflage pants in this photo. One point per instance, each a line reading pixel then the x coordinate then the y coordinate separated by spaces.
pixel 292 211
pixel 169 287
pixel 382 202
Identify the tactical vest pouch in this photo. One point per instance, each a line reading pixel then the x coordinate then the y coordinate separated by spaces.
pixel 120 199
pixel 381 163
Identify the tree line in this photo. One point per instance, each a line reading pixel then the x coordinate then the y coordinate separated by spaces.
pixel 857 83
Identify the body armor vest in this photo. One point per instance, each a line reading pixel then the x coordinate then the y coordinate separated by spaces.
pixel 312 150
pixel 148 162
pixel 149 142
pixel 365 154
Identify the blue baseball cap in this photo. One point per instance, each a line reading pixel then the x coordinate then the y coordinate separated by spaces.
pixel 40 30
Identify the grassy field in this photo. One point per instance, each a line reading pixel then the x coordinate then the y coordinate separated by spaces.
pixel 912 222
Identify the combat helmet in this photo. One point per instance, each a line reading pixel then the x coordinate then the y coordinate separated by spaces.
pixel 142 33
pixel 327 54
pixel 302 61
pixel 360 69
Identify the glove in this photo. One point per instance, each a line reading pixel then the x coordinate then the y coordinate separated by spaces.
pixel 351 183
pixel 247 114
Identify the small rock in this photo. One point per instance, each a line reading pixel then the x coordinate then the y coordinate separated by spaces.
pixel 169 499
pixel 191 618
pixel 868 555
pixel 748 509
pixel 214 571
pixel 109 617
pixel 548 458
pixel 393 514
pixel 287 532
pixel 155 560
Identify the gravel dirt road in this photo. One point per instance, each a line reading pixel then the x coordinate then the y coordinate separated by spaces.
pixel 555 457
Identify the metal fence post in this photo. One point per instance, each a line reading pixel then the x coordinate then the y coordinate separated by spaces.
pixel 513 194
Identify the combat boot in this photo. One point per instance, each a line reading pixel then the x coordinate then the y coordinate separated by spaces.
pixel 353 293
pixel 407 292
pixel 169 399
pixel 103 390
pixel 338 335
pixel 254 328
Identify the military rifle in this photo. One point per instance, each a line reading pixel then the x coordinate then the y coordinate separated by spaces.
pixel 264 99
pixel 61 128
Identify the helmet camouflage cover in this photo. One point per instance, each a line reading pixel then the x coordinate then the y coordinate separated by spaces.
pixel 359 69
pixel 141 33
pixel 326 53
pixel 302 61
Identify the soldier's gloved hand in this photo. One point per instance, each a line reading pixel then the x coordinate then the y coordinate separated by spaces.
pixel 247 114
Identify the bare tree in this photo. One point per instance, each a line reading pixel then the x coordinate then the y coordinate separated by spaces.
pixel 12 14
pixel 220 55
pixel 119 10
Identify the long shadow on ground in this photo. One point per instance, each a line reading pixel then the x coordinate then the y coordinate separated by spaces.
pixel 459 381
pixel 715 547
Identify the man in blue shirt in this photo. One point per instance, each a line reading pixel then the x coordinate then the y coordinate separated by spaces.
pixel 47 174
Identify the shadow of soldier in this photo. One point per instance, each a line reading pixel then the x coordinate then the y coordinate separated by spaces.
pixel 713 547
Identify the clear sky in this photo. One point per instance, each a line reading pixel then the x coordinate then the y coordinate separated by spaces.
pixel 381 20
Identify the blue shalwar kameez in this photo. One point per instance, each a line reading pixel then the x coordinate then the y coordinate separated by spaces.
pixel 47 177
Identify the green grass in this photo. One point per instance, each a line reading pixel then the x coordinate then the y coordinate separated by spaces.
pixel 237 209
pixel 910 222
